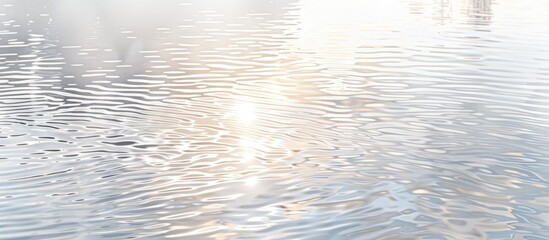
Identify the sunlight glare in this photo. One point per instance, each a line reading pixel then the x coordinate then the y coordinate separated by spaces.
pixel 251 181
pixel 245 112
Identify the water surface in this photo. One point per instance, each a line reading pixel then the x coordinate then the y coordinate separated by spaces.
pixel 290 119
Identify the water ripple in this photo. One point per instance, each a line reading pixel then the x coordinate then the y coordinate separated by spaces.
pixel 293 119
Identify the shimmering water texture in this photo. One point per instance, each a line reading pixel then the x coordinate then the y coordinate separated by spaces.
pixel 252 119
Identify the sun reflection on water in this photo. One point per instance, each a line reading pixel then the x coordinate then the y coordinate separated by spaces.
pixel 245 112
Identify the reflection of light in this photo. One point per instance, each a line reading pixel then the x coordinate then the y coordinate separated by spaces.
pixel 346 24
pixel 352 11
pixel 245 112
pixel 294 210
pixel 249 143
pixel 332 33
pixel 249 147
pixel 251 181
pixel 247 156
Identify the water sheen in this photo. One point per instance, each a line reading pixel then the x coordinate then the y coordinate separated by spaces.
pixel 245 119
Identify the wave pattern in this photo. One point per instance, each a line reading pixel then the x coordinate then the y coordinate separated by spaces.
pixel 186 119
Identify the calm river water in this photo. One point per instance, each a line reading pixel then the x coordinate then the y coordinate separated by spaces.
pixel 290 119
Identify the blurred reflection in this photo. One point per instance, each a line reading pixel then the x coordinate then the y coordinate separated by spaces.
pixel 479 11
pixel 442 12
pixel 333 32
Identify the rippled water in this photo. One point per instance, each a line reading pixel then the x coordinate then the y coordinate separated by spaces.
pixel 245 119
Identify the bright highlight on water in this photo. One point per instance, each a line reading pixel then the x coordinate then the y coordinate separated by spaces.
pixel 290 119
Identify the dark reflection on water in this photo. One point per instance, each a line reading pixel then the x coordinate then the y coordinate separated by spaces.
pixel 288 119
